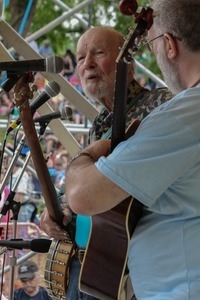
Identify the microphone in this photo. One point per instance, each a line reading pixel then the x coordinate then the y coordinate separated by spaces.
pixel 51 64
pixel 51 89
pixel 65 113
pixel 36 245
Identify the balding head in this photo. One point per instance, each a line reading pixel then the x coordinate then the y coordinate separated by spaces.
pixel 113 39
pixel 97 51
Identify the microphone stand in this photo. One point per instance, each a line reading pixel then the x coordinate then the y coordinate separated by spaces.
pixel 10 204
pixel 19 260
pixel 12 164
pixel 14 206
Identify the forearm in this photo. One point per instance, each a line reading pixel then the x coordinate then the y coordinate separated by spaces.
pixel 88 190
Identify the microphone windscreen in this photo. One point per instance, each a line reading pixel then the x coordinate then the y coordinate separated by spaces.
pixel 40 245
pixel 52 88
pixel 55 64
pixel 66 112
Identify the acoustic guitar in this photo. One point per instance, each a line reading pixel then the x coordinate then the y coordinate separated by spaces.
pixel 56 273
pixel 105 261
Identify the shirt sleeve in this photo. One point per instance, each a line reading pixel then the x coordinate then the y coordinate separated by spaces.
pixel 154 158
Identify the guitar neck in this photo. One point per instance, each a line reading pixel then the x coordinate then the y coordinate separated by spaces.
pixel 119 113
pixel 44 178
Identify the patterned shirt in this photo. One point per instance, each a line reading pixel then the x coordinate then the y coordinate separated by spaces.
pixel 140 102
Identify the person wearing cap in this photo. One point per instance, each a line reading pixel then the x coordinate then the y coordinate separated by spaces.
pixel 29 276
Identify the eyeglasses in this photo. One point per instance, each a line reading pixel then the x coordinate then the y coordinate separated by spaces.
pixel 149 43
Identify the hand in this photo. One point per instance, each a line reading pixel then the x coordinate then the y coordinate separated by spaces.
pixel 98 149
pixel 51 228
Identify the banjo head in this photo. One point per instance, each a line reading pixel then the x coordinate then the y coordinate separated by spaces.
pixel 56 273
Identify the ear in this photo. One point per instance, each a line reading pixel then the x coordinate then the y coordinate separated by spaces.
pixel 170 46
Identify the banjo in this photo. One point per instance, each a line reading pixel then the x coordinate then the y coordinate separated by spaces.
pixel 56 274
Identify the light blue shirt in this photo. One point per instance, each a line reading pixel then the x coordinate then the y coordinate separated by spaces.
pixel 160 166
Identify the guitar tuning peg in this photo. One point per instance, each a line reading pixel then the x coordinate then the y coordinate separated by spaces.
pixel 34 88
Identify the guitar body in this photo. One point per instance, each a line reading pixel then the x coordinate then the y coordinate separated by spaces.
pixel 104 263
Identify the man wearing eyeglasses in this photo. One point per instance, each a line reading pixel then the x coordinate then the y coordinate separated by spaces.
pixel 29 276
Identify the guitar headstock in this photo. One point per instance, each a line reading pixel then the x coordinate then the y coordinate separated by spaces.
pixel 146 14
pixel 22 89
pixel 144 21
pixel 128 7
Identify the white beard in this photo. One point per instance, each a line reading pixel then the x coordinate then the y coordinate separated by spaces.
pixel 96 90
pixel 99 90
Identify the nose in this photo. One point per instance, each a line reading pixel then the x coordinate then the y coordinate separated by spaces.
pixel 89 61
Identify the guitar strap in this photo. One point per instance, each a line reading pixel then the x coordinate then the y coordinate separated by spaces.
pixel 129 107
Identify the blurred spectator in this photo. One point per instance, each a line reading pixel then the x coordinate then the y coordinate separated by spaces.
pixel 79 118
pixel 39 81
pixel 28 210
pixel 80 139
pixel 51 143
pixel 4 196
pixel 62 153
pixel 33 44
pixel 22 189
pixel 2 284
pixel 76 82
pixel 60 168
pixel 69 64
pixel 5 104
pixel 51 169
pixel 145 81
pixel 28 273
pixel 45 49
pixel 141 79
pixel 34 182
pixel 3 297
pixel 6 190
pixel 56 101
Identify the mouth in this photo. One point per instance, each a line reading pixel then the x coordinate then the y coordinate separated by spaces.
pixel 92 77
